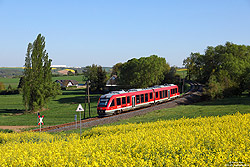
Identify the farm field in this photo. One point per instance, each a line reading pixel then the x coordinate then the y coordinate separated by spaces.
pixel 61 109
pixel 209 141
pixel 15 81
pixel 182 72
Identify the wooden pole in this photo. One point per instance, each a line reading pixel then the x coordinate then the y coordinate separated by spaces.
pixel 85 100
pixel 183 83
pixel 88 97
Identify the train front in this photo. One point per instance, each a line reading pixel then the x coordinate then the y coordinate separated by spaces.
pixel 102 105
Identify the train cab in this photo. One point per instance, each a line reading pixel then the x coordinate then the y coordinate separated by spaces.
pixel 103 104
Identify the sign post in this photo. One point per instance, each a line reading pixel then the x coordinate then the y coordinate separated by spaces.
pixel 79 109
pixel 40 121
pixel 76 120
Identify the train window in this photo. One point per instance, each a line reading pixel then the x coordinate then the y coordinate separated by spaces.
pixel 163 93
pixel 166 93
pixel 146 97
pixel 118 101
pixel 137 99
pixel 103 102
pixel 113 103
pixel 176 90
pixel 142 98
pixel 128 99
pixel 160 94
pixel 151 95
pixel 123 100
pixel 156 94
pixel 171 91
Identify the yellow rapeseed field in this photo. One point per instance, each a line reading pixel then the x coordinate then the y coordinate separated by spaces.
pixel 212 141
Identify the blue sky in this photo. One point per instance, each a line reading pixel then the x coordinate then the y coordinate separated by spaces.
pixel 106 32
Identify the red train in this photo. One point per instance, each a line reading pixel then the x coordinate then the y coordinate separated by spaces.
pixel 116 102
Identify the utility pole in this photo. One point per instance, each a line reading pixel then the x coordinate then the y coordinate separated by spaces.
pixel 85 101
pixel 183 80
pixel 88 82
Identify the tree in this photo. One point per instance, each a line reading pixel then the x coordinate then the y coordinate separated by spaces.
pixel 116 69
pixel 224 67
pixel 2 87
pixel 21 83
pixel 171 76
pixel 143 72
pixel 97 78
pixel 38 86
pixel 9 88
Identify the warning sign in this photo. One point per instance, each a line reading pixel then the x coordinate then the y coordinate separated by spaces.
pixel 40 120
pixel 79 108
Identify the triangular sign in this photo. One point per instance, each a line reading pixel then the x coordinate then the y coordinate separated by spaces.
pixel 79 108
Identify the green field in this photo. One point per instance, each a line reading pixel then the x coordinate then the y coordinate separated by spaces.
pixel 182 72
pixel 227 106
pixel 77 78
pixel 61 109
pixel 10 81
pixel 14 81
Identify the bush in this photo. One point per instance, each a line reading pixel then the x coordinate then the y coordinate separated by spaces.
pixel 2 87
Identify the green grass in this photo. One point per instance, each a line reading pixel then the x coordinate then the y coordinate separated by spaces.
pixel 10 81
pixel 15 81
pixel 221 107
pixel 77 78
pixel 61 109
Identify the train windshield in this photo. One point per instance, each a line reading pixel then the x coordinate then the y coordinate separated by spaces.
pixel 103 102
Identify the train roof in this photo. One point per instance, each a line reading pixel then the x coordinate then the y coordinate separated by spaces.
pixel 121 92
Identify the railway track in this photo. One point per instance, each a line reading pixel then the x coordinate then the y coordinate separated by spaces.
pixel 188 98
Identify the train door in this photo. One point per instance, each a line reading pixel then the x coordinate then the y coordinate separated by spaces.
pixel 133 101
pixel 169 94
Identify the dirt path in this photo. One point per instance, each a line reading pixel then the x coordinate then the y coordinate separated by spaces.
pixel 16 128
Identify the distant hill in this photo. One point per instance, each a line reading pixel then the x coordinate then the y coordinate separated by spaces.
pixel 12 72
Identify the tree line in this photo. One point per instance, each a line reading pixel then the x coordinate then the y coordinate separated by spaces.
pixel 135 73
pixel 225 69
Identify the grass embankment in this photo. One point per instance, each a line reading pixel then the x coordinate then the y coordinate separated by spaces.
pixel 61 109
pixel 227 106
pixel 222 107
